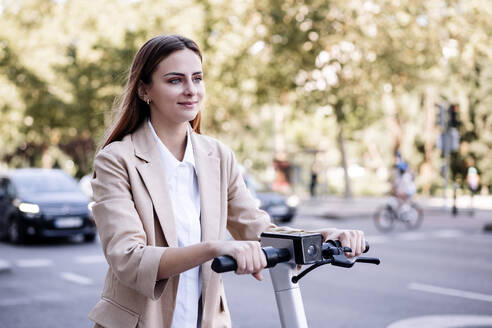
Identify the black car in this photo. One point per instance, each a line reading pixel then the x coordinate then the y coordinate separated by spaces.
pixel 43 203
pixel 279 207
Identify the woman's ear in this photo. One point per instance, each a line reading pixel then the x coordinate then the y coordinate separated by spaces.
pixel 142 91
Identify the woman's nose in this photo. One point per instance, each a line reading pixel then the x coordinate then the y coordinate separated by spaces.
pixel 190 88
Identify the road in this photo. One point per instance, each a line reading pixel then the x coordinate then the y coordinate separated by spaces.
pixel 442 269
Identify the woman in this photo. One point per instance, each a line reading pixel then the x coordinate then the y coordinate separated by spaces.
pixel 164 197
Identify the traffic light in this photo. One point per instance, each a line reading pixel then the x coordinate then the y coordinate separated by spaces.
pixel 453 116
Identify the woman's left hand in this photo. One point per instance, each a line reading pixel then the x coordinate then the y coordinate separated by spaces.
pixel 349 238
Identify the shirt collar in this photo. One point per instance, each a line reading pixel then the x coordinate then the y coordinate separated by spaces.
pixel 170 162
pixel 188 156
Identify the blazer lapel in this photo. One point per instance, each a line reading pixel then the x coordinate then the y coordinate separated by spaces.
pixel 154 178
pixel 208 173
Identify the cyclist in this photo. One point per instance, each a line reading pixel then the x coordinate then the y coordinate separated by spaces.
pixel 403 187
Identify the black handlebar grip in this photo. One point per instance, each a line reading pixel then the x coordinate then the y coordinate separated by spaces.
pixel 226 263
pixel 276 255
pixel 367 247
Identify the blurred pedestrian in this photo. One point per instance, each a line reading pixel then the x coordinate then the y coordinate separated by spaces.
pixel 473 182
pixel 164 195
pixel 314 180
pixel 472 179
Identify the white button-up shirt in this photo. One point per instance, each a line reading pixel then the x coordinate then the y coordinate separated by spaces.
pixel 185 199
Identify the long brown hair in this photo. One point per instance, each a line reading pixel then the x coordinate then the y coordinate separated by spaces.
pixel 133 111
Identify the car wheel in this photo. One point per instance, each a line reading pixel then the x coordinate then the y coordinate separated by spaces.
pixel 16 232
pixel 89 237
pixel 285 219
pixel 4 235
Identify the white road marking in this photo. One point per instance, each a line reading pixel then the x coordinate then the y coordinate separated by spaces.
pixel 15 301
pixel 448 233
pixel 49 297
pixel 89 259
pixel 44 297
pixel 5 266
pixel 444 321
pixel 450 292
pixel 72 277
pixel 33 263
pixel 412 236
pixel 377 239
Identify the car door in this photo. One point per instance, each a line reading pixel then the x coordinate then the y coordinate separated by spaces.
pixel 4 201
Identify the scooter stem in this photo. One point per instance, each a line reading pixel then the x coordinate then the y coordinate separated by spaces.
pixel 288 296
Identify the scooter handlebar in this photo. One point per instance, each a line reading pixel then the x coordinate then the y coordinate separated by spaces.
pixel 226 263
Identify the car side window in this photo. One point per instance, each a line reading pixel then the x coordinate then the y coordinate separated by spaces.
pixel 3 188
pixel 10 190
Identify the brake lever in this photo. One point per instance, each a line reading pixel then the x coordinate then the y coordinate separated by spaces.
pixel 336 256
pixel 342 261
pixel 371 260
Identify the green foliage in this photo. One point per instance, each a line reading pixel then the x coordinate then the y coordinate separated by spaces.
pixel 305 80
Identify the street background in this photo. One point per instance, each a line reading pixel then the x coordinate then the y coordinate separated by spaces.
pixel 443 269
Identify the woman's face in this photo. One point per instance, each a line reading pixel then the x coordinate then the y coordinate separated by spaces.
pixel 177 89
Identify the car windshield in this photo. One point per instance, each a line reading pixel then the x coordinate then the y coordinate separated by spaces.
pixel 44 182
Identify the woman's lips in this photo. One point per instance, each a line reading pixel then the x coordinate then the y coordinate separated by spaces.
pixel 188 104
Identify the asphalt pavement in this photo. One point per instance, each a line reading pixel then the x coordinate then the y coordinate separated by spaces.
pixel 437 276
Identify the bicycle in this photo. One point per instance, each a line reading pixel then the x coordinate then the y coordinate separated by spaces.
pixel 395 210
pixel 285 252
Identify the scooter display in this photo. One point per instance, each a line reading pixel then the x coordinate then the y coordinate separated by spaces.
pixel 284 253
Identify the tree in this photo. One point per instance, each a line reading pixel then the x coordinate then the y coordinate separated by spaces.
pixel 285 79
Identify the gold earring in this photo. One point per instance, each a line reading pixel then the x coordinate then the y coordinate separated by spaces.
pixel 148 101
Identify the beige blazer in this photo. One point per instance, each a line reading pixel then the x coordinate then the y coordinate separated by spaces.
pixel 135 223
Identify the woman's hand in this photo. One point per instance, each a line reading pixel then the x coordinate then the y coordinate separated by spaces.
pixel 349 238
pixel 248 255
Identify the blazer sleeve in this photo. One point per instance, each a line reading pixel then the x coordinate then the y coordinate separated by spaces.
pixel 245 221
pixel 134 263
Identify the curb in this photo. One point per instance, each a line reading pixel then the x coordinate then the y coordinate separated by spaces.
pixel 4 266
pixel 335 216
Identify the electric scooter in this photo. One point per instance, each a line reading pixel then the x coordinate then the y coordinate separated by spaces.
pixel 284 253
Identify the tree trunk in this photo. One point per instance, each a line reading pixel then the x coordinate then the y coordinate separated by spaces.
pixel 430 126
pixel 341 147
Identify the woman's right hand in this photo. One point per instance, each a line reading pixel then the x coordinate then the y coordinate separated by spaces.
pixel 248 255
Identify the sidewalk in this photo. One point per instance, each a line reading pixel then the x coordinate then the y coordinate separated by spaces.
pixel 332 207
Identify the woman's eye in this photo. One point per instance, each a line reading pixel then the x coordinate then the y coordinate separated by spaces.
pixel 198 79
pixel 174 81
